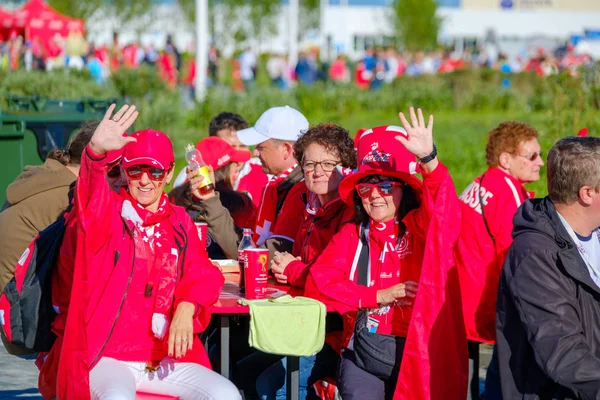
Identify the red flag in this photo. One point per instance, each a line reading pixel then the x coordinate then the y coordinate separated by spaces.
pixel 435 358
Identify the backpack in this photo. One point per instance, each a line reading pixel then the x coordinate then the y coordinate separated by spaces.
pixel 26 311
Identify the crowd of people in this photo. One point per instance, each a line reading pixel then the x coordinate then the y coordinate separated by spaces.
pixel 75 52
pixel 375 68
pixel 382 65
pixel 415 277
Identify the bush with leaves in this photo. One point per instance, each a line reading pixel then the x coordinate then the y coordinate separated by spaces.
pixel 59 84
pixel 138 83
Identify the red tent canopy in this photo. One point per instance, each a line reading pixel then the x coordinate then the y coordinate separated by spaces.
pixel 6 23
pixel 40 20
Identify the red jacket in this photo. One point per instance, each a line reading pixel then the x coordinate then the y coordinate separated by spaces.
pixel 478 257
pixel 62 282
pixel 316 230
pixel 435 362
pixel 104 271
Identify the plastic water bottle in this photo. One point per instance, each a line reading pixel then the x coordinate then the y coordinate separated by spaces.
pixel 196 163
pixel 245 243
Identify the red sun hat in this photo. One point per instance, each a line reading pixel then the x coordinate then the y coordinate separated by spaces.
pixel 152 148
pixel 359 132
pixel 217 153
pixel 379 153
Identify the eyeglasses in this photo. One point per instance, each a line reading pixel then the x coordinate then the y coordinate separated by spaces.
pixel 385 188
pixel 137 171
pixel 533 156
pixel 326 166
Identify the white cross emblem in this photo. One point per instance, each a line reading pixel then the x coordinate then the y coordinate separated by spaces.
pixel 264 232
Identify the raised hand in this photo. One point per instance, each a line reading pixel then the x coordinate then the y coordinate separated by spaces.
pixel 109 133
pixel 420 136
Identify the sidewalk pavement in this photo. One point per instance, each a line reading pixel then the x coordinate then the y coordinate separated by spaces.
pixel 18 379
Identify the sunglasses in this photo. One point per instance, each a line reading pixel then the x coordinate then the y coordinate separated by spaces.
pixel 385 188
pixel 533 156
pixel 137 171
pixel 113 170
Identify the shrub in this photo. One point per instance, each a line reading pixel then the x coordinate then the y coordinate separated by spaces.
pixel 56 84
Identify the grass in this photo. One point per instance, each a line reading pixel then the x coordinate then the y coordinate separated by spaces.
pixel 459 136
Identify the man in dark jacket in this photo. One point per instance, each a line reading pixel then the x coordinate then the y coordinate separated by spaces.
pixel 548 312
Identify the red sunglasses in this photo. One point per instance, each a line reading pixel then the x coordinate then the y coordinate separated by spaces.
pixel 154 173
pixel 385 188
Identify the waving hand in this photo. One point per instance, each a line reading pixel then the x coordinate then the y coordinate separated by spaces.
pixel 109 133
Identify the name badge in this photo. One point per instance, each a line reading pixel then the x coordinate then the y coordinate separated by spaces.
pixel 372 325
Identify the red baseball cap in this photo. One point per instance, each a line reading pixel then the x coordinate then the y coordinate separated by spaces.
pixel 152 148
pixel 379 153
pixel 216 152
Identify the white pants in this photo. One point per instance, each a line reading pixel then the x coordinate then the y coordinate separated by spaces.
pixel 119 380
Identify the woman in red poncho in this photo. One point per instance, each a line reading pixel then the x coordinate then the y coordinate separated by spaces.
pixel 374 265
pixel 143 286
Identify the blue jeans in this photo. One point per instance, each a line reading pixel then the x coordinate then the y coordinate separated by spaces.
pixel 493 388
pixel 271 384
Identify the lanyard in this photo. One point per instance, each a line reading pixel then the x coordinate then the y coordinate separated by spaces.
pixel 582 251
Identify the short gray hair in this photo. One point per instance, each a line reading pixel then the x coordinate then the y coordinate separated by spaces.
pixel 573 162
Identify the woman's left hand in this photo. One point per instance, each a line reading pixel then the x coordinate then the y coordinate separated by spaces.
pixel 420 136
pixel 181 332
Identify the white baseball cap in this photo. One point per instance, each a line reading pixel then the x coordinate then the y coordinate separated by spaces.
pixel 283 123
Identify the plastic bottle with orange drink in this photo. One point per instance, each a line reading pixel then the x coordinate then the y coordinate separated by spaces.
pixel 196 163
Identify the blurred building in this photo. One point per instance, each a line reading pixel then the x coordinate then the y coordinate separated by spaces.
pixel 513 26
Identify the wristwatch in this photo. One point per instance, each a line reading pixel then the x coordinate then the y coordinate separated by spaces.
pixel 429 157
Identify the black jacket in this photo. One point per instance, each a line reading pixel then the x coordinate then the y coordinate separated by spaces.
pixel 548 312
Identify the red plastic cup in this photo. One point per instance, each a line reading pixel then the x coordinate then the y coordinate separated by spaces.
pixel 256 272
pixel 202 228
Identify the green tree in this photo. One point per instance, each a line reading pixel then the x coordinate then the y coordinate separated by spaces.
pixel 125 10
pixel 241 20
pixel 416 23
pixel 77 9
pixel 310 14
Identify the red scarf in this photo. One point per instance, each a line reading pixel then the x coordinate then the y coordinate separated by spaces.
pixel 155 241
pixel 384 267
pixel 267 212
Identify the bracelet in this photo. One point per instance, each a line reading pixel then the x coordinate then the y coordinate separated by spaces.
pixel 429 157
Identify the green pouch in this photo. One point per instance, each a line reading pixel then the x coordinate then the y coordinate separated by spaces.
pixel 293 326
